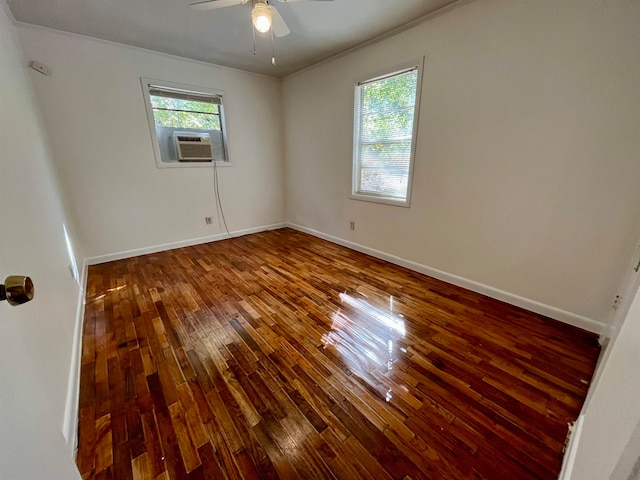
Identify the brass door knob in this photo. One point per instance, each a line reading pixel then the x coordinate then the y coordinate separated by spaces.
pixel 17 289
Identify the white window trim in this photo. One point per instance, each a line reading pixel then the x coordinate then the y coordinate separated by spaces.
pixel 355 166
pixel 152 124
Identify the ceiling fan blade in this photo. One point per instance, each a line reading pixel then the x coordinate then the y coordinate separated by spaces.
pixel 211 4
pixel 290 1
pixel 279 26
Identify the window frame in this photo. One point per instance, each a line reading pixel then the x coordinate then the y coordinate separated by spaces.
pixel 146 84
pixel 388 72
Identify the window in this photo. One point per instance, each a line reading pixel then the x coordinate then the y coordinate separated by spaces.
pixel 187 124
pixel 386 114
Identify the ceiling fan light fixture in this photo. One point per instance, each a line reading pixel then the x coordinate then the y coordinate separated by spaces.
pixel 261 16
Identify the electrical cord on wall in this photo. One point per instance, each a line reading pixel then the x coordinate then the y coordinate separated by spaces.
pixel 215 196
pixel 216 191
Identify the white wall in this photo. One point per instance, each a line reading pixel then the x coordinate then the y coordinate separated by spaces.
pixel 628 466
pixel 527 167
pixel 35 338
pixel 95 117
pixel 612 414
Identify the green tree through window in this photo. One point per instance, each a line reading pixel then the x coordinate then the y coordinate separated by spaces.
pixel 178 113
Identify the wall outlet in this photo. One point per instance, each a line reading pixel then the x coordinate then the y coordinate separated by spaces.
pixel 352 225
pixel 208 220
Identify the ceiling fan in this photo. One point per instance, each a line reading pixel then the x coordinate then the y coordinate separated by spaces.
pixel 265 17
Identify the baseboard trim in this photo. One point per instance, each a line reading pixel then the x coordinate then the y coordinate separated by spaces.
pixel 571 448
pixel 528 304
pixel 183 243
pixel 70 420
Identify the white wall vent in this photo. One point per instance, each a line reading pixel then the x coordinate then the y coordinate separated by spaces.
pixel 193 147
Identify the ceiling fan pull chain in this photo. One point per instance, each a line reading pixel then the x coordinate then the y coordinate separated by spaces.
pixel 273 50
pixel 253 30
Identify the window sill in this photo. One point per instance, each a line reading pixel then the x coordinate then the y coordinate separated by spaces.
pixel 193 164
pixel 385 200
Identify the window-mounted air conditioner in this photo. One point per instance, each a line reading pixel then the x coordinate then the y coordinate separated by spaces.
pixel 193 147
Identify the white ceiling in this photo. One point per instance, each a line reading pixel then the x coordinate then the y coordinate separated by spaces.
pixel 224 36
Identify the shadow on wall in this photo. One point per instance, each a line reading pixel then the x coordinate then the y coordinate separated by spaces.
pixel 628 467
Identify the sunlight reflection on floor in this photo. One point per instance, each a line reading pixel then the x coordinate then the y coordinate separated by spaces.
pixel 99 297
pixel 368 338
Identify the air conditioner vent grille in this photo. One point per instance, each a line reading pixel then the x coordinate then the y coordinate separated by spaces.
pixel 193 147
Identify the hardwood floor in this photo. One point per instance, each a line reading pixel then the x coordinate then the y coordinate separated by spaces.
pixel 279 355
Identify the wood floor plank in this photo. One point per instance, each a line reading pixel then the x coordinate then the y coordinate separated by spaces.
pixel 279 355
